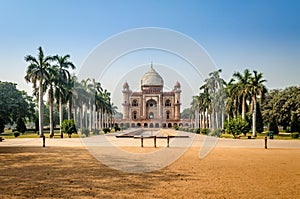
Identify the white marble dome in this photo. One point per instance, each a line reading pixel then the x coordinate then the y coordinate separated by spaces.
pixel 152 78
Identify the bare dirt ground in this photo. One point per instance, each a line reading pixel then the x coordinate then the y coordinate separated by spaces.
pixel 71 172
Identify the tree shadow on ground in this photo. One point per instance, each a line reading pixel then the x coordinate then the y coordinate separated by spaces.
pixel 65 172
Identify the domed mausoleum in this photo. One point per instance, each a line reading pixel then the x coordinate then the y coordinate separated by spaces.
pixel 151 107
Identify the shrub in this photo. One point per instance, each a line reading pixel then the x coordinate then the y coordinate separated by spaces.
pixel 68 126
pixel 106 130
pixel 236 126
pixel 16 134
pixel 273 126
pixel 295 135
pixel 95 132
pixel 205 131
pixel 85 132
pixel 216 132
pixel 176 127
pixel 197 130
pixel 117 128
pixel 21 127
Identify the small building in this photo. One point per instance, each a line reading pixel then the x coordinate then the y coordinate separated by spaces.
pixel 151 107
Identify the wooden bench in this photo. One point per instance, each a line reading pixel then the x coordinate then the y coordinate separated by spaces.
pixel 158 137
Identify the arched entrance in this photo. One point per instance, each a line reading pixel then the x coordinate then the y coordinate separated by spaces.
pixel 151 109
pixel 169 125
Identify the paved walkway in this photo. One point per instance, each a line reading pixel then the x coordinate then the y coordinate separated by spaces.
pixel 193 140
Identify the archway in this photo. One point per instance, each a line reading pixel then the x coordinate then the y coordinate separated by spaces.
pixel 145 125
pixel 151 125
pixel 168 114
pixel 169 125
pixel 156 125
pixel 151 115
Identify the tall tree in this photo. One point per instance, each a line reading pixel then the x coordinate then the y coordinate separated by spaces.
pixel 63 64
pixel 257 90
pixel 15 106
pixel 243 88
pixel 214 85
pixel 51 82
pixel 36 73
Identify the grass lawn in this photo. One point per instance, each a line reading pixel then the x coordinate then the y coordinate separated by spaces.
pixel 8 134
pixel 280 136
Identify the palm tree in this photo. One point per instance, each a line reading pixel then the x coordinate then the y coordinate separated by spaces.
pixel 37 73
pixel 243 88
pixel 214 88
pixel 231 106
pixel 257 90
pixel 63 64
pixel 51 82
pixel 112 112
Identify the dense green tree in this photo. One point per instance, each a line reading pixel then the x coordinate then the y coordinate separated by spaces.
pixel 259 120
pixel 273 126
pixel 14 105
pixel 21 127
pixel 280 105
pixel 185 114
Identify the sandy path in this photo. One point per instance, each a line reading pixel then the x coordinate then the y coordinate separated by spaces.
pixel 71 172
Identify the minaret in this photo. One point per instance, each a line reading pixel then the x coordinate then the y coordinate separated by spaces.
pixel 126 103
pixel 177 103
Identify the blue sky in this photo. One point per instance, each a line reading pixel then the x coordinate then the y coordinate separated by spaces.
pixel 262 35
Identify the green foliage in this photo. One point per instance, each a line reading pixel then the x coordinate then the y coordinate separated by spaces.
pixel 117 128
pixel 14 104
pixel 295 135
pixel 273 126
pixel 295 123
pixel 282 104
pixel 106 130
pixel 69 127
pixel 185 113
pixel 237 126
pixel 176 127
pixel 95 132
pixel 21 127
pixel 85 132
pixel 16 134
pixel 2 125
pixel 205 131
pixel 259 120
pixel 216 132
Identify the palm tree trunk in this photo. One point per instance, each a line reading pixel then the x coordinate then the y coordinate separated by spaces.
pixel 69 110
pixel 244 107
pixel 81 117
pixel 90 116
pixel 41 109
pixel 60 117
pixel 51 115
pixel 254 117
